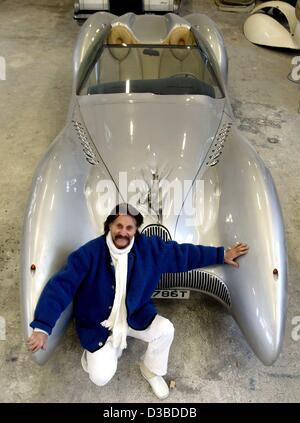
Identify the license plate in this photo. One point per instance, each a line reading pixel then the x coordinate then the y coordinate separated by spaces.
pixel 179 294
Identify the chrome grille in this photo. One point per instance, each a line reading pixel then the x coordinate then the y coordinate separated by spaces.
pixel 197 280
pixel 157 230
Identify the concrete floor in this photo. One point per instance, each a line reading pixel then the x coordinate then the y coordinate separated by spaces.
pixel 210 359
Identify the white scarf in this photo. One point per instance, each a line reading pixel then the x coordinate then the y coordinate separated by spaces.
pixel 117 321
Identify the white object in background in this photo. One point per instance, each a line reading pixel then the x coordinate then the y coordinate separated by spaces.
pixel 92 5
pixel 149 5
pixel 297 29
pixel 158 5
pixel 261 28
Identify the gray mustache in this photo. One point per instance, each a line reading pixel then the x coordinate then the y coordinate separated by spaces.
pixel 122 237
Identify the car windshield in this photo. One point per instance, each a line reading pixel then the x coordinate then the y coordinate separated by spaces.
pixel 157 69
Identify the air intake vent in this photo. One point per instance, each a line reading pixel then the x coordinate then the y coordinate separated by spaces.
pixel 216 149
pixel 87 147
pixel 199 281
pixel 157 230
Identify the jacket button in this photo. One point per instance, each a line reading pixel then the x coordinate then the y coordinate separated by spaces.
pixel 109 307
pixel 100 344
pixel 113 287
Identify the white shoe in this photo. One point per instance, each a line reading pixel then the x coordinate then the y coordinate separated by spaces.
pixel 84 362
pixel 157 383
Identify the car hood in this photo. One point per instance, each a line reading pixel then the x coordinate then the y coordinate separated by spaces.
pixel 146 132
pixel 146 137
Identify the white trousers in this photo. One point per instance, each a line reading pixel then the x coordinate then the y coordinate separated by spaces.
pixel 102 364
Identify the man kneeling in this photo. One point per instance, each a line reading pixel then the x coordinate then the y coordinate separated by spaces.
pixel 111 280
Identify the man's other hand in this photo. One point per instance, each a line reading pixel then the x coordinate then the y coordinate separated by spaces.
pixel 37 341
pixel 239 249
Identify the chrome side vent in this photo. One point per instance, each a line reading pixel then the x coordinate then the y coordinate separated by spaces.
pixel 88 150
pixel 216 149
pixel 157 230
pixel 197 280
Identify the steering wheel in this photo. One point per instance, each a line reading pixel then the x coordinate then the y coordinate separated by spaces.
pixel 186 74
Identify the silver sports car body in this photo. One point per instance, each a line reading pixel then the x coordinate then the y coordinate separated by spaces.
pixel 150 123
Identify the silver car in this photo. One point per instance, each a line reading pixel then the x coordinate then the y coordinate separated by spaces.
pixel 150 123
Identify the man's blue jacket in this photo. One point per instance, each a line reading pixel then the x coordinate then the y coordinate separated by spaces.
pixel 89 280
